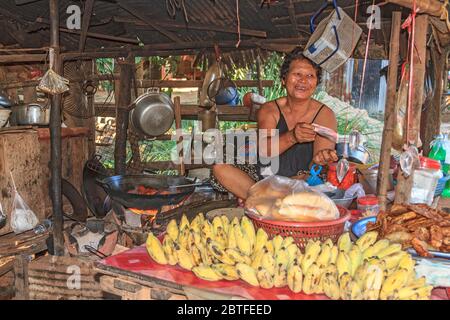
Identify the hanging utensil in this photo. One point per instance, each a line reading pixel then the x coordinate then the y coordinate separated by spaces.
pixel 354 140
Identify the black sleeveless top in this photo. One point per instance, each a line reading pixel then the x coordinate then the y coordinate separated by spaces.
pixel 296 158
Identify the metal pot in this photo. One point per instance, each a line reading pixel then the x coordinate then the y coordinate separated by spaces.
pixel 358 155
pixel 153 114
pixel 32 114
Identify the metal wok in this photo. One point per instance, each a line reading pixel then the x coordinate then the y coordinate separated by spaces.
pixel 119 188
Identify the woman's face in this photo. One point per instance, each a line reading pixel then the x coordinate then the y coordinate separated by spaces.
pixel 301 80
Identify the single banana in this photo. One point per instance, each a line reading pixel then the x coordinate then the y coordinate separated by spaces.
pixel 226 271
pixel 311 279
pixel 256 262
pixel 345 281
pixel 217 223
pixel 183 238
pixel 343 264
pixel 247 273
pixel 355 256
pixel 270 247
pixel 372 282
pixel 243 243
pixel 334 254
pixel 407 262
pixel 225 223
pixel 373 250
pixel 280 276
pixel 232 244
pixel 361 274
pixel 331 287
pixel 355 291
pixel 261 240
pixel 198 240
pixel 393 282
pixel 264 278
pixel 221 236
pixel 293 252
pixel 172 230
pixel 237 256
pixel 324 256
pixel 366 240
pixel 197 222
pixel 393 248
pixel 295 277
pixel 234 222
pixel 248 229
pixel 155 249
pixel 344 242
pixel 207 230
pixel 268 263
pixel 393 260
pixel 218 252
pixel 169 250
pixel 277 242
pixel 196 255
pixel 207 258
pixel 184 257
pixel 206 273
pixel 184 223
pixel 332 270
pixel 282 257
pixel 312 252
pixel 329 243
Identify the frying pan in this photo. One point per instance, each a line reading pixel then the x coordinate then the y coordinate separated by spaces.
pixel 118 188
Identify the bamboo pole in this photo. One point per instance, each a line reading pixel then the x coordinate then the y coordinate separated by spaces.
pixel 389 113
pixel 122 114
pixel 431 7
pixel 404 186
pixel 55 137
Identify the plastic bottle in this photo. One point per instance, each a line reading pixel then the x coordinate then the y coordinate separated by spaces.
pixel 43 226
pixel 437 151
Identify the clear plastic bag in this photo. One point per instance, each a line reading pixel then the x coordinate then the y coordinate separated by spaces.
pixel 51 82
pixel 325 132
pixel 285 199
pixel 22 217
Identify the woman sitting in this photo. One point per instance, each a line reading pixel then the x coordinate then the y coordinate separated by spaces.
pixel 299 145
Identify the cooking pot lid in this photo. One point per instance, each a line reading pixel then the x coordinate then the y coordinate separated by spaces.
pixel 155 115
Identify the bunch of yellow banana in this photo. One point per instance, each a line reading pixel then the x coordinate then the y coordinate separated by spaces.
pixel 229 250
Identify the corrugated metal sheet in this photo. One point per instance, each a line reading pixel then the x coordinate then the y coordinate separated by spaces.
pixel 274 20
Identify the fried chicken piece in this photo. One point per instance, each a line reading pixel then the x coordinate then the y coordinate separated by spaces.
pixel 416 221
pixel 422 233
pixel 446 231
pixel 371 226
pixel 404 217
pixel 421 248
pixel 425 224
pixel 445 248
pixel 426 211
pixel 436 236
pixel 398 209
pixel 399 237
pixel 395 228
pixel 446 242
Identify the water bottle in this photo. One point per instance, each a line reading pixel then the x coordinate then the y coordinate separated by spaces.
pixel 43 226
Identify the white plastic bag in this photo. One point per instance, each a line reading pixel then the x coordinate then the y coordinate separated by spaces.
pixel 325 132
pixel 22 217
pixel 285 199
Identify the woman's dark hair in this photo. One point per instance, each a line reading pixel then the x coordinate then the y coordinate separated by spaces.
pixel 297 54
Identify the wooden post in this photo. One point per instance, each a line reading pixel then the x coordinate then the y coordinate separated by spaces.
pixel 177 105
pixel 432 115
pixel 21 277
pixel 404 186
pixel 389 112
pixel 122 114
pixel 55 136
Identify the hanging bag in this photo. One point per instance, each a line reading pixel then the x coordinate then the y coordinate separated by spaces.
pixel 22 217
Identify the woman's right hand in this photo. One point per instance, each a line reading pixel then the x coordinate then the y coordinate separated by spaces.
pixel 304 132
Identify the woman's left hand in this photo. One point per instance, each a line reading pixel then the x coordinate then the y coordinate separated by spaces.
pixel 325 156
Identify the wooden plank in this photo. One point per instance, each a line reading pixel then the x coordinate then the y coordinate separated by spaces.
pixel 29 57
pixel 196 83
pixel 389 113
pixel 88 7
pixel 173 25
pixel 21 278
pixel 431 7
